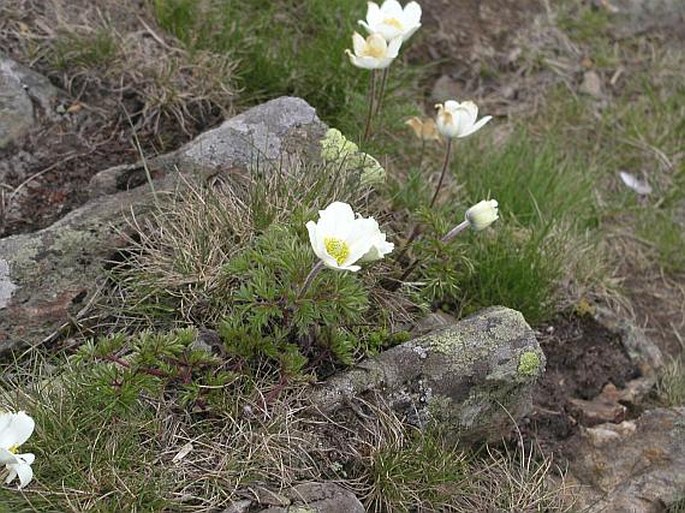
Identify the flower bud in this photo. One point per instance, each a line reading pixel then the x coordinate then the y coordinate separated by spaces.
pixel 482 214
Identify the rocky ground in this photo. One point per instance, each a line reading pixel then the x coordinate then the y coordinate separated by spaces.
pixel 69 168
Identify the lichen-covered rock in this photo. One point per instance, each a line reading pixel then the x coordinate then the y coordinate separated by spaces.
pixel 275 134
pixel 269 134
pixel 472 377
pixel 319 498
pixel 47 277
pixel 25 96
pixel 53 273
pixel 636 466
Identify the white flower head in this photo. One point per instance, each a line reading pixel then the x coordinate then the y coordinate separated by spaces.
pixel 459 119
pixel 340 239
pixel 482 214
pixel 15 429
pixel 391 21
pixel 374 52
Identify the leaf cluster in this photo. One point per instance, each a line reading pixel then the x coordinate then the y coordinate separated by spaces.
pixel 272 316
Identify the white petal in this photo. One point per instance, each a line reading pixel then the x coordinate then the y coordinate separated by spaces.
pixel 17 431
pixel 27 458
pixel 472 109
pixel 358 43
pixel 12 473
pixel 335 220
pixel 481 123
pixel 410 32
pixel 373 15
pixel 24 471
pixel 451 105
pixel 313 238
pixel 392 9
pixel 369 62
pixel 362 238
pixel 639 186
pixel 412 14
pixel 394 47
pixel 389 32
pixel 462 122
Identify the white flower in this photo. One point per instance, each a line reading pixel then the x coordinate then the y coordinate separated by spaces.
pixel 340 239
pixel 391 21
pixel 482 214
pixel 15 429
pixel 459 119
pixel 373 52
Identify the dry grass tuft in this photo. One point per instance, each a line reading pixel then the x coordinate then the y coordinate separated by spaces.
pixel 111 59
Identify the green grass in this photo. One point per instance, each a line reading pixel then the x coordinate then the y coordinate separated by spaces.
pixel 283 48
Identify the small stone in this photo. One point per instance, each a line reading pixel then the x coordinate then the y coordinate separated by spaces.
pixel 591 85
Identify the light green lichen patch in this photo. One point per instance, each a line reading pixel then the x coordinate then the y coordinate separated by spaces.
pixel 338 150
pixel 68 241
pixel 20 254
pixel 529 364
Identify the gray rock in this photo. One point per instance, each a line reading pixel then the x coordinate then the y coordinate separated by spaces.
pixel 264 134
pixel 472 377
pixel 47 277
pixel 25 97
pixel 636 466
pixel 274 134
pixel 53 273
pixel 319 498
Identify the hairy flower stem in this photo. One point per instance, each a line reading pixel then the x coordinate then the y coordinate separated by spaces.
pixel 455 231
pixel 415 231
pixel 381 92
pixel 371 99
pixel 445 165
pixel 310 278
pixel 446 239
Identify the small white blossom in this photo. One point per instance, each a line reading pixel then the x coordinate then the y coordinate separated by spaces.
pixel 482 214
pixel 391 21
pixel 374 52
pixel 341 239
pixel 456 119
pixel 15 429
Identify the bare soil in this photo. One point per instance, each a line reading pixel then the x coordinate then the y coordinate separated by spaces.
pixel 582 358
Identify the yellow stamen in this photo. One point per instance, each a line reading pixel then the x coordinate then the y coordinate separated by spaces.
pixel 337 248
pixel 374 48
pixel 13 449
pixel 393 22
